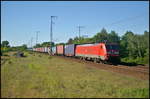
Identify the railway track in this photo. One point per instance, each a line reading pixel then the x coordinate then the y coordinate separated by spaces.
pixel 135 68
pixel 138 71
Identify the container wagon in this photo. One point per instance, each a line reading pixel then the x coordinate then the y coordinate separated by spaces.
pixel 46 49
pixel 54 50
pixel 70 50
pixel 60 49
pixel 34 49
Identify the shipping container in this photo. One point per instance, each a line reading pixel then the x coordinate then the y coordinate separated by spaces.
pixel 36 49
pixel 60 49
pixel 48 49
pixel 54 50
pixel 42 49
pixel 33 49
pixel 45 49
pixel 70 50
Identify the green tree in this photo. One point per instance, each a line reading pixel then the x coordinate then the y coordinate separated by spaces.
pixel 113 37
pixel 101 36
pixel 124 44
pixel 146 46
pixel 37 46
pixel 60 44
pixel 135 47
pixel 5 44
pixel 70 41
pixel 146 39
pixel 45 44
pixel 24 46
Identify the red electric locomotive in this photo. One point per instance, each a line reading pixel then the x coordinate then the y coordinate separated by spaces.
pixel 101 52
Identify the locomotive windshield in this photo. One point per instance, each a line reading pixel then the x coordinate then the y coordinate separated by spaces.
pixel 113 47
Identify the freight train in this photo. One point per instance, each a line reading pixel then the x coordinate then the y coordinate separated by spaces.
pixel 98 52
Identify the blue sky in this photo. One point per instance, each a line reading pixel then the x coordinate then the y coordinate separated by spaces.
pixel 21 19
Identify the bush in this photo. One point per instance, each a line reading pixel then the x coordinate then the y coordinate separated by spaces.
pixel 138 60
pixel 9 62
pixel 146 60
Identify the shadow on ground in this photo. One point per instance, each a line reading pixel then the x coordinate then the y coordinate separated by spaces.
pixel 130 64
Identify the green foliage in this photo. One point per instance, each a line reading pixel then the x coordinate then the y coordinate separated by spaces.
pixel 60 44
pixel 146 58
pixel 6 48
pixel 134 47
pixel 50 57
pixel 20 48
pixel 101 36
pixel 5 54
pixel 138 60
pixel 143 92
pixel 37 46
pixel 44 44
pixel 24 46
pixel 70 41
pixel 9 62
pixel 113 37
pixel 5 44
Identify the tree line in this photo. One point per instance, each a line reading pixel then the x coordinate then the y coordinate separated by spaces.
pixel 5 47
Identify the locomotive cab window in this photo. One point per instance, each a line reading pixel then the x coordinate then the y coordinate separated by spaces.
pixel 114 47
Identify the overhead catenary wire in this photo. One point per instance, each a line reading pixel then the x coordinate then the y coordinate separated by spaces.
pixel 131 18
pixel 124 20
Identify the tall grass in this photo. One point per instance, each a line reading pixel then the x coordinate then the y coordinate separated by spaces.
pixel 50 76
